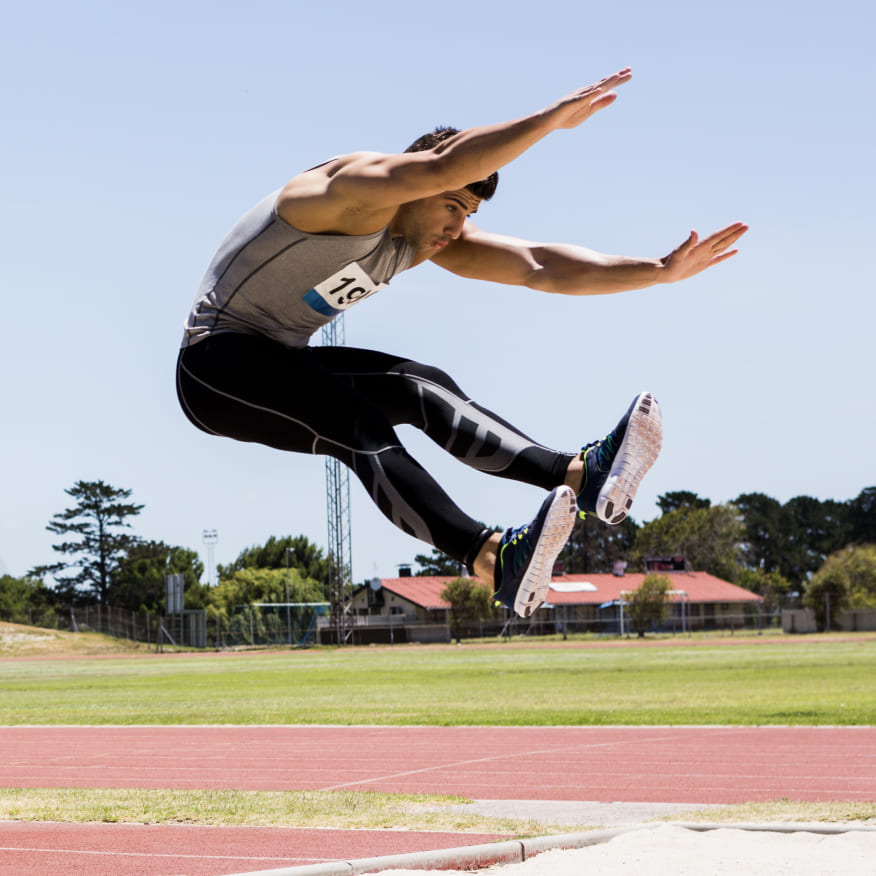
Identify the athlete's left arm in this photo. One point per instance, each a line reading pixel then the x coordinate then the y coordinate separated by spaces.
pixel 575 270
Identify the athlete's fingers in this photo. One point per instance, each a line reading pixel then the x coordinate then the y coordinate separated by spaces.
pixel 723 256
pixel 692 240
pixel 608 83
pixel 619 78
pixel 726 237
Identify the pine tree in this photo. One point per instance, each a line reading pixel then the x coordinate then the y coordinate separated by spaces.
pixel 95 527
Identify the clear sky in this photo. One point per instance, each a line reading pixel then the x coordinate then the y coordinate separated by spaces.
pixel 135 134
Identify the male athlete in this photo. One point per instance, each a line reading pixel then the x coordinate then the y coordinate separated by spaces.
pixel 337 233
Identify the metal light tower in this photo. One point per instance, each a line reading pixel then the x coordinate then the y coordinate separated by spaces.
pixel 337 500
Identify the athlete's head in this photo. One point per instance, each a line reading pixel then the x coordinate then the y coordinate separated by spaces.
pixel 484 189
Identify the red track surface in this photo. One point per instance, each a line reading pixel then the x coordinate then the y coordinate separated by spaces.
pixel 636 764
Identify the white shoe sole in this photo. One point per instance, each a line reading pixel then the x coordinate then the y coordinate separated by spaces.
pixel 637 453
pixel 555 533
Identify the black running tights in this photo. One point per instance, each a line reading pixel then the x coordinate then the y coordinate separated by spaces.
pixel 345 402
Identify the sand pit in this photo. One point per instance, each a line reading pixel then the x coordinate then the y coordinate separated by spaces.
pixel 681 851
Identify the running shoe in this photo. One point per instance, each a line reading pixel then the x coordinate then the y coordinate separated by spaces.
pixel 614 466
pixel 526 555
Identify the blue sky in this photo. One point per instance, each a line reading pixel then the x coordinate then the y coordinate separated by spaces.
pixel 136 134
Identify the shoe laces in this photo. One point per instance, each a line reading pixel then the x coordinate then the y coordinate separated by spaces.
pixel 604 451
pixel 522 546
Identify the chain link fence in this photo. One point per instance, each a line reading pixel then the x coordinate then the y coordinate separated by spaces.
pixel 300 626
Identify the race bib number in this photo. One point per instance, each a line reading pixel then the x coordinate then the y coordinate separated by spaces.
pixel 342 290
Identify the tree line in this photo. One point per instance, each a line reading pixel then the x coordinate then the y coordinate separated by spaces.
pixel 804 551
pixel 102 561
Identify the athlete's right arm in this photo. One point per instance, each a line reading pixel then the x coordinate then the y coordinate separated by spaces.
pixel 362 191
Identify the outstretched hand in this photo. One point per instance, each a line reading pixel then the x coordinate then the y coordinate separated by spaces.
pixel 695 255
pixel 578 106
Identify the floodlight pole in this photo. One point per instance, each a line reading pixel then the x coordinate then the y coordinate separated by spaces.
pixel 338 508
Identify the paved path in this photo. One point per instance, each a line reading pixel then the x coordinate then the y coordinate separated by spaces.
pixel 660 765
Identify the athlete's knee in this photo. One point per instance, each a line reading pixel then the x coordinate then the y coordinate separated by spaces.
pixel 357 432
pixel 429 374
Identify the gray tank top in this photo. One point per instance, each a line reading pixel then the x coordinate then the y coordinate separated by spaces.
pixel 268 278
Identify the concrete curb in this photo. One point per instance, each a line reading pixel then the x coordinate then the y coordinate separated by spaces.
pixel 517 851
pixel 463 858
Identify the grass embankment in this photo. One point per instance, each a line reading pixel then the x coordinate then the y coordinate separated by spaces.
pixel 21 641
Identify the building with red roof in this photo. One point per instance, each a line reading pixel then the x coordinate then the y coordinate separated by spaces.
pixel 581 603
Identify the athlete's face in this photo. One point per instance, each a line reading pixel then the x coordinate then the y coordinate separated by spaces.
pixel 429 224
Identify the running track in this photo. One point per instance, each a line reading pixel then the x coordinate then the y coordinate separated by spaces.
pixel 635 764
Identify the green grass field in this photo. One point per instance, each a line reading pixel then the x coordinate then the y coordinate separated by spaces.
pixel 778 680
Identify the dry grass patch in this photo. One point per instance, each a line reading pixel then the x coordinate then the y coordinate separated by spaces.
pixel 304 809
pixel 785 811
pixel 17 640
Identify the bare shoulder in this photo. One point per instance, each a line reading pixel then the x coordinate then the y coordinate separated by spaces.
pixel 318 201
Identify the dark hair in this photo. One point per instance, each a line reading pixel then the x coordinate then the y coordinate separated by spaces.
pixel 484 189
